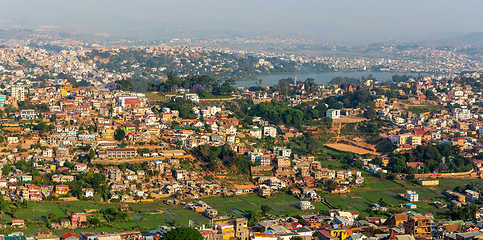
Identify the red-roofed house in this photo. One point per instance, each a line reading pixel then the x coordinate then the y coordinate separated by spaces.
pixel 422 97
pixel 132 103
pixel 69 236
pixel 416 165
pixel 19 223
pixel 324 235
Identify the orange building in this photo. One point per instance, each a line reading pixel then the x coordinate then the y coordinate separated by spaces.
pixel 341 189
pixel 132 103
pixel 67 86
pixel 61 189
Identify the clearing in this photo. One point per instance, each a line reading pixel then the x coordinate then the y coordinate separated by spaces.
pixel 345 119
pixel 350 148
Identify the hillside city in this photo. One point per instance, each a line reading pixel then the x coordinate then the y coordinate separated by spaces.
pixel 147 142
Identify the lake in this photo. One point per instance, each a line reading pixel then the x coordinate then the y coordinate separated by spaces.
pixel 320 78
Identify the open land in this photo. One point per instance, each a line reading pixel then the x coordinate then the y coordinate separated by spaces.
pixel 350 148
pixel 153 214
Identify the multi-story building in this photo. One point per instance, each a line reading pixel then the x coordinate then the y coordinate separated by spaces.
pixel 333 113
pixel 2 100
pixel 428 182
pixel 461 113
pixel 472 196
pixel 237 228
pixel 412 196
pixel 283 162
pixel 28 114
pixel 18 92
pixel 306 205
pixel 418 225
pixel 61 189
pixel 120 152
pixel 256 132
pixel 269 131
pixel 410 139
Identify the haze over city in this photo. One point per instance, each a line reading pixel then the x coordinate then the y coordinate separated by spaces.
pixel 335 21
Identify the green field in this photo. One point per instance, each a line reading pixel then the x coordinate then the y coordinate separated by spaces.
pixel 146 215
pixel 376 188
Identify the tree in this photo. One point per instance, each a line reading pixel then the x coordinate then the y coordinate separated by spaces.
pixel 94 221
pixel 382 202
pixel 266 209
pixel 53 118
pixel 51 216
pixel 3 203
pixel 296 238
pixel 6 170
pixel 119 135
pixel 183 233
pixel 92 154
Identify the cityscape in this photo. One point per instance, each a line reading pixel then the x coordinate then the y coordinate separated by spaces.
pixel 219 132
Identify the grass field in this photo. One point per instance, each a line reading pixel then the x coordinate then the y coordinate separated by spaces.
pixel 376 188
pixel 143 218
pixel 282 204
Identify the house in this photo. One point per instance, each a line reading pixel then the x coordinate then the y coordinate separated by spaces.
pixel 428 182
pixel 28 114
pixel 411 196
pixel 341 189
pixel 256 132
pixel 121 152
pixel 264 191
pixel 77 219
pixel 418 225
pixel 396 219
pixel 417 165
pixel 80 167
pixel 270 131
pixel 410 206
pixel 88 192
pixel 132 103
pixel 263 236
pixel 18 223
pixel 471 196
pixel 306 205
pixel 69 236
pixel 324 235
pixel 61 189
pixel 333 113
pixel 65 223
pixel 211 213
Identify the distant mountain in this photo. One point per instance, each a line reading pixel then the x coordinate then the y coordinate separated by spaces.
pixel 461 40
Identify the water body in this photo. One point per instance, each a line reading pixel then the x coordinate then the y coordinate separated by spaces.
pixel 320 78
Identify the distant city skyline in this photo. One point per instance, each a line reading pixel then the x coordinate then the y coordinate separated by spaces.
pixel 372 20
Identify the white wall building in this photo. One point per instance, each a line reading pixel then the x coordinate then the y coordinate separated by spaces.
pixel 461 113
pixel 412 196
pixel 333 113
pixel 18 92
pixel 270 131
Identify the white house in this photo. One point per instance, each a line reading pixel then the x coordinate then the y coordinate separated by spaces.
pixel 333 113
pixel 89 192
pixel 269 131
pixel 306 205
pixel 412 196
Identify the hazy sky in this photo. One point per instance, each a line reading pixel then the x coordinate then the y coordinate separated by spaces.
pixel 317 17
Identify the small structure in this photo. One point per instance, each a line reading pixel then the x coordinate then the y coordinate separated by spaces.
pixel 306 205
pixel 428 182
pixel 411 196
